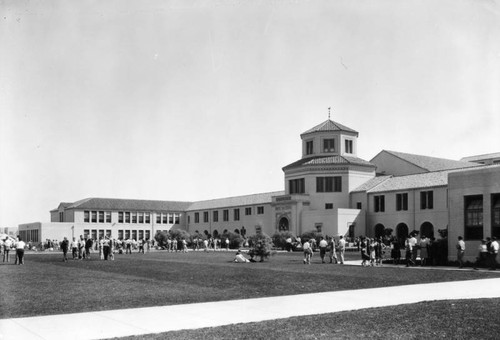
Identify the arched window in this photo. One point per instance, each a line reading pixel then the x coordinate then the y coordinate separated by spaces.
pixel 427 229
pixel 401 232
pixel 283 224
pixel 379 230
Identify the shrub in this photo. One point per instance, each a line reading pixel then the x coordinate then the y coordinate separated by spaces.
pixel 235 240
pixel 261 246
pixel 312 234
pixel 161 237
pixel 279 239
pixel 180 234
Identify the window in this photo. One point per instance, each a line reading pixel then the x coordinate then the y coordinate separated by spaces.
pixel 134 218
pixel 297 186
pixel 402 201
pixel 158 218
pixel 177 218
pixel 216 216
pixel 359 205
pixel 260 210
pixel 473 217
pixel 127 217
pixel 426 200
pixel 348 146
pixel 61 216
pixel 86 233
pixel 196 217
pixel 101 216
pixel 225 215
pixel 329 145
pixel 248 211
pixel 309 147
pixel 329 184
pixel 236 214
pixel 141 217
pixel 205 216
pixel 495 215
pixel 147 218
pixel 86 216
pixel 108 216
pixel 171 218
pixel 319 227
pixel 328 206
pixel 94 216
pixel 164 218
pixel 379 203
pixel 120 217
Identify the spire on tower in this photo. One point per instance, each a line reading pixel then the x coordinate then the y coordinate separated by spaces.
pixel 329 112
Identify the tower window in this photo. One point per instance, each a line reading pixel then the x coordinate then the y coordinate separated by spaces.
pixel 348 146
pixel 309 147
pixel 329 145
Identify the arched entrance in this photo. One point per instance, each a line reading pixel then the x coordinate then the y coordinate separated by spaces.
pixel 402 232
pixel 427 229
pixel 379 230
pixel 283 224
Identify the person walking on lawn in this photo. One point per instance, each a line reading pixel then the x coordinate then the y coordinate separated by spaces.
pixel 307 252
pixel 494 247
pixel 322 249
pixel 333 251
pixel 64 248
pixel 341 249
pixel 460 251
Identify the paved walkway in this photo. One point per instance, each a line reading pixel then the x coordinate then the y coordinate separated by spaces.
pixel 140 321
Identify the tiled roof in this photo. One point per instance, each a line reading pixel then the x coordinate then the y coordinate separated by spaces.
pixel 129 204
pixel 425 180
pixel 329 125
pixel 237 201
pixel 372 183
pixel 432 163
pixel 328 160
pixel 481 157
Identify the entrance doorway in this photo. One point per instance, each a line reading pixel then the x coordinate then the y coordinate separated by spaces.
pixel 427 229
pixel 283 224
pixel 402 233
pixel 379 230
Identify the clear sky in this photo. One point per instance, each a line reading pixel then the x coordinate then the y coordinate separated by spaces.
pixel 193 100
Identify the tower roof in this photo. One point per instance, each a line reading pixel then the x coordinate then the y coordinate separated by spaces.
pixel 329 125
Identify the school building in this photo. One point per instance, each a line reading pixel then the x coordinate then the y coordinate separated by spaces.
pixel 329 188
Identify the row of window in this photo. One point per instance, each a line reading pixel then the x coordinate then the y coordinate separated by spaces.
pixel 129 217
pixel 29 235
pixel 225 215
pixel 426 201
pixel 97 234
pixel 328 146
pixel 323 184
pixel 473 216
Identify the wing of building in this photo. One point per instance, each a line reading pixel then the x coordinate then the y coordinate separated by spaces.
pixel 328 189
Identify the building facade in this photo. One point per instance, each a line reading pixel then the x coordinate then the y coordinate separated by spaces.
pixel 329 189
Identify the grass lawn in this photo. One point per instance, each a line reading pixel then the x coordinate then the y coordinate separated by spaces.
pixel 45 285
pixel 454 319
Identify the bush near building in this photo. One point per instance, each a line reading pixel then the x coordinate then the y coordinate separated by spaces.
pixel 260 245
pixel 279 239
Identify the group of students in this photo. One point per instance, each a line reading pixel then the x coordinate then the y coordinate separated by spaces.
pixel 326 245
pixel 7 244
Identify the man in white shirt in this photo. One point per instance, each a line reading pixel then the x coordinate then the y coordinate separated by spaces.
pixel 322 248
pixel 307 252
pixel 7 244
pixel 20 245
pixel 493 253
pixel 341 249
pixel 460 251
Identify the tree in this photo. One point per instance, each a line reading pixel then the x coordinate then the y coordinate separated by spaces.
pixel 311 234
pixel 235 240
pixel 180 234
pixel 261 246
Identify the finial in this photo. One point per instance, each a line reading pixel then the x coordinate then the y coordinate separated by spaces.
pixel 329 112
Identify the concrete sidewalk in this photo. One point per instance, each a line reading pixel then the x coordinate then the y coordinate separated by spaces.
pixel 140 321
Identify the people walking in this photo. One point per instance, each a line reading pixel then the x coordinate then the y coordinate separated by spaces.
pixel 307 252
pixel 341 248
pixel 7 244
pixel 64 248
pixel 322 249
pixel 20 245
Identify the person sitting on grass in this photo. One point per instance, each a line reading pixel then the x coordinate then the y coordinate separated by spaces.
pixel 239 258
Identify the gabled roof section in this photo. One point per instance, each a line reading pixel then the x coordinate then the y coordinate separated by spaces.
pixel 476 158
pixel 328 160
pixel 329 125
pixel 431 163
pixel 129 204
pixel 237 201
pixel 409 182
pixel 372 183
pixel 62 205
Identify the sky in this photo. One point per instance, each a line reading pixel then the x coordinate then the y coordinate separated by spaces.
pixel 195 100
